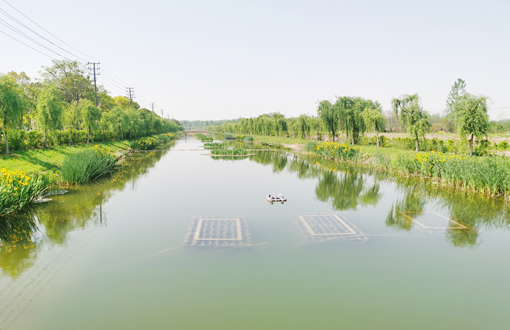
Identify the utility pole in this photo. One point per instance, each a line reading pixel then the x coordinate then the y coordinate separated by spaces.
pixel 94 71
pixel 131 94
pixel 152 106
pixel 162 113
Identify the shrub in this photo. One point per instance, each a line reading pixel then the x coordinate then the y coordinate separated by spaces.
pixel 248 138
pixel 18 190
pixel 503 145
pixel 87 165
pixel 147 143
pixel 310 146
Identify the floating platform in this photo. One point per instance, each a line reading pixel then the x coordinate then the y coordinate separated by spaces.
pixel 328 227
pixel 218 232
pixel 432 221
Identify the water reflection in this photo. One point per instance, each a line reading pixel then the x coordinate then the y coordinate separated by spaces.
pixel 23 234
pixel 346 187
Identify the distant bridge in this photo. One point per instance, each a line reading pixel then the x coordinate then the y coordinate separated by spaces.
pixel 196 130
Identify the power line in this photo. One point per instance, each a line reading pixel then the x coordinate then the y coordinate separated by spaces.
pixel 131 94
pixel 34 32
pixel 29 38
pixel 21 42
pixel 47 30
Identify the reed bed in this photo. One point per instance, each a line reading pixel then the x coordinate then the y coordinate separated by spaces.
pixel 488 175
pixel 229 152
pixel 215 145
pixel 87 165
pixel 18 189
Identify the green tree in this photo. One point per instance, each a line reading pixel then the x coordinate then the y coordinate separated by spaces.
pixel 49 110
pixel 374 120
pixel 457 91
pixel 349 110
pixel 69 77
pixel 328 116
pixel 11 106
pixel 72 118
pixel 90 117
pixel 303 124
pixel 408 110
pixel 472 118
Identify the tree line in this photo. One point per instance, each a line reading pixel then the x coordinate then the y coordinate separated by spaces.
pixel 63 102
pixel 465 114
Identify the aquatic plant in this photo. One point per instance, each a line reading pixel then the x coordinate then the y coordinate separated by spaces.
pixel 87 165
pixel 214 145
pixel 18 189
pixel 229 152
pixel 203 137
pixel 337 150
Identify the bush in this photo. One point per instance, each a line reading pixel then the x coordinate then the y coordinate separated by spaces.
pixel 503 145
pixel 271 144
pixel 310 146
pixel 248 138
pixel 18 190
pixel 87 165
pixel 147 143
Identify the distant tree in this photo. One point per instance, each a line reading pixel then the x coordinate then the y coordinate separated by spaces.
pixel 49 110
pixel 90 117
pixel 328 116
pixel 279 123
pixel 11 106
pixel 410 113
pixel 72 118
pixel 69 77
pixel 303 124
pixel 374 120
pixel 472 118
pixel 457 91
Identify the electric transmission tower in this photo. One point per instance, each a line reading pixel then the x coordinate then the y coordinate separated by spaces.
pixel 94 71
pixel 131 94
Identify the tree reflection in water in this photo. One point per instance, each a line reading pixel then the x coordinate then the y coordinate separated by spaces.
pixel 23 234
pixel 346 186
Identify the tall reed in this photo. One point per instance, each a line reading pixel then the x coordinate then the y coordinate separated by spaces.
pixel 87 165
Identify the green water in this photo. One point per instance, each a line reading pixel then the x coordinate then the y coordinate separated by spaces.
pixel 110 255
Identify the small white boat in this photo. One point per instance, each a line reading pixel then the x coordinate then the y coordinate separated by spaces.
pixel 273 199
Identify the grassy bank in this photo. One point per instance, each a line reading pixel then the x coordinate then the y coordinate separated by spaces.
pixel 42 160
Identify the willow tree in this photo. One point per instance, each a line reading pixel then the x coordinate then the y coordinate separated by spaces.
pixel 328 116
pixel 472 118
pixel 349 110
pixel 49 110
pixel 374 120
pixel 11 106
pixel 279 123
pixel 408 110
pixel 90 116
pixel 303 125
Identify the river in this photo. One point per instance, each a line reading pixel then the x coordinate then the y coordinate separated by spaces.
pixel 180 240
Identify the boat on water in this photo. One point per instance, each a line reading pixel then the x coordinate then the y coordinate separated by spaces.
pixel 273 199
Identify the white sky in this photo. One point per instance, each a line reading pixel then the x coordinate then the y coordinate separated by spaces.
pixel 229 59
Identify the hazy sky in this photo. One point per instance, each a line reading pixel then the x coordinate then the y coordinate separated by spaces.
pixel 230 59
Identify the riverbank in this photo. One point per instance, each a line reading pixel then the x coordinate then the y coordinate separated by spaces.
pixel 483 175
pixel 43 160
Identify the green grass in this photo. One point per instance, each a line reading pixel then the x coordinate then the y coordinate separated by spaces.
pixel 41 160
pixel 87 165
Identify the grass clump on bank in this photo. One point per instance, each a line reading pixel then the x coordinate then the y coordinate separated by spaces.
pixel 18 189
pixel 87 165
pixel 229 152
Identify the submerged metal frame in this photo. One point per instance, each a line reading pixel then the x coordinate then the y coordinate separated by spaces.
pixel 423 226
pixel 341 231
pixel 196 237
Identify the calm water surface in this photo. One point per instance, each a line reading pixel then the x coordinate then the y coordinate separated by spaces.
pixel 405 255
